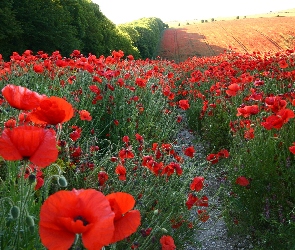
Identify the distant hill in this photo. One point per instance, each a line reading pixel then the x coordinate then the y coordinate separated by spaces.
pixel 272 31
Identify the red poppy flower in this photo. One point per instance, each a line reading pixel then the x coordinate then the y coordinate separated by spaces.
pixel 283 64
pixel 21 98
pixel 85 115
pixel 126 154
pixel 37 144
pixel 102 178
pixel 203 215
pixel 38 68
pixel 292 148
pixel 278 120
pixel 52 110
pixel 246 111
pixel 167 242
pixel 223 153
pixel 212 158
pixel 126 220
pixel 197 183
pixel 183 104
pixel 242 181
pixel 189 151
pixel 121 171
pixel 140 82
pixel 191 201
pixel 67 213
pixel 11 123
pixel 169 169
pixel 232 89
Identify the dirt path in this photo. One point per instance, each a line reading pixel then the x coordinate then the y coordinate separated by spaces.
pixel 214 234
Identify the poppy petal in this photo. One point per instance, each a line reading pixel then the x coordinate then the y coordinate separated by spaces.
pixel 56 239
pixel 126 226
pixel 7 149
pixel 125 201
pixel 47 151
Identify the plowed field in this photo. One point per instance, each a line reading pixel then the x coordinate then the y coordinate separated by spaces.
pixel 214 37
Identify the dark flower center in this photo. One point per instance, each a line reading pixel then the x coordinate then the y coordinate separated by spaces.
pixel 81 218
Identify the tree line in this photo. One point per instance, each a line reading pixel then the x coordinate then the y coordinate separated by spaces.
pixel 67 25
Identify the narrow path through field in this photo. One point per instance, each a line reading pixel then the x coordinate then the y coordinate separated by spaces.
pixel 213 234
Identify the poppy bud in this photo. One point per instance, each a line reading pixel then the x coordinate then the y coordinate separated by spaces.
pixel 30 221
pixel 156 212
pixel 62 181
pixel 164 230
pixel 32 178
pixel 32 229
pixel 14 211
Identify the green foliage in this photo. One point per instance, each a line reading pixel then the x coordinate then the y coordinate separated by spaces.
pixel 67 25
pixel 10 28
pixel 145 34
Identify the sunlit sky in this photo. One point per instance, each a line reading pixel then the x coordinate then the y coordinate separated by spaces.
pixel 122 11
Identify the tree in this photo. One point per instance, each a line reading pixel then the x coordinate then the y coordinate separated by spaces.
pixel 10 29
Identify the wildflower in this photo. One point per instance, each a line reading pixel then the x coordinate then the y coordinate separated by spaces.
pixel 21 98
pixel 85 115
pixel 242 181
pixel 183 104
pixel 233 89
pixel 102 178
pixel 140 82
pixel 167 243
pixel 76 134
pixel 203 215
pixel 212 158
pixel 191 201
pixel 189 151
pixel 278 120
pixel 246 111
pixel 36 144
pixel 197 183
pixel 169 169
pixel 283 64
pixel 121 171
pixel 52 110
pixel 125 154
pixel 126 220
pixel 38 68
pixel 223 153
pixel 67 213
pixel 11 123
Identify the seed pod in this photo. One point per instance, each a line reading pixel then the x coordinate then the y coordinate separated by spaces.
pixel 30 221
pixel 32 178
pixel 14 211
pixel 62 181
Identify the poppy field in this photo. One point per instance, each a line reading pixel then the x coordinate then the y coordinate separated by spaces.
pixel 90 157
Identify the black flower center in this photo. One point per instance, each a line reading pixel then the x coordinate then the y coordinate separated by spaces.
pixel 81 218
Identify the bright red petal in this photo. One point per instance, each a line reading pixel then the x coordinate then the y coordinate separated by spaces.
pixel 125 201
pixel 7 149
pixel 126 226
pixel 47 151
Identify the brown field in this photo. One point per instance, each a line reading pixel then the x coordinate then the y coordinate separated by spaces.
pixel 266 32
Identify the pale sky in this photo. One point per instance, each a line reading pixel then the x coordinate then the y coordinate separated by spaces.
pixel 122 11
